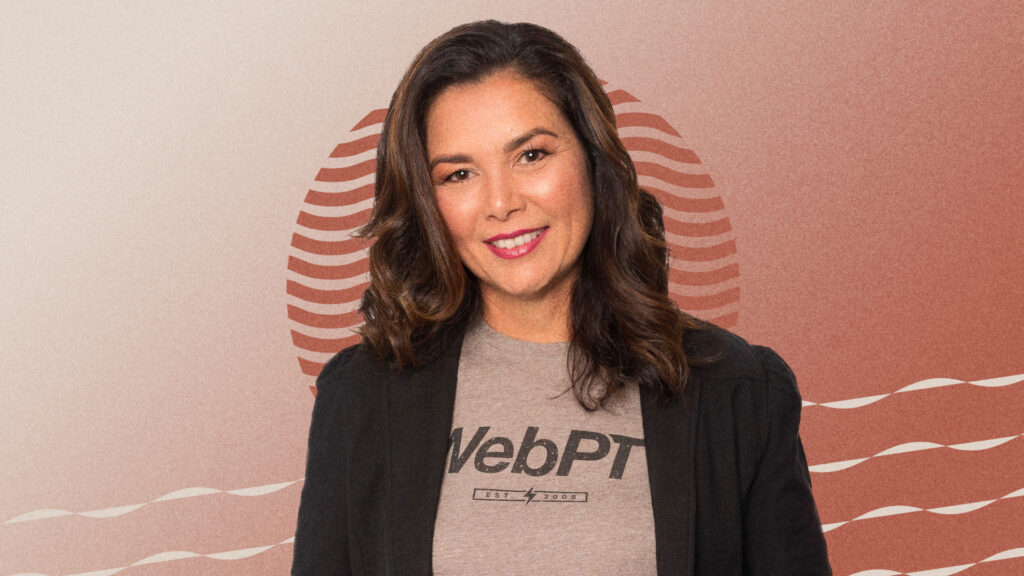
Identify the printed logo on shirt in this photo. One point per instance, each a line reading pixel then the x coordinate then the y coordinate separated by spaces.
pixel 528 496
pixel 498 453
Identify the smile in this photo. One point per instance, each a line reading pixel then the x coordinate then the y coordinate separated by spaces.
pixel 508 247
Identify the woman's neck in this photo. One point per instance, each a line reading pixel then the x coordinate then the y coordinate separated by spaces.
pixel 543 320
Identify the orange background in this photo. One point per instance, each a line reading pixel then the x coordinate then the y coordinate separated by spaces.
pixel 155 159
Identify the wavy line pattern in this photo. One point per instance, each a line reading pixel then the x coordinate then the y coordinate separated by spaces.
pixel 327 267
pixel 183 493
pixel 919 385
pixel 172 555
pixel 913 447
pixel 948 570
pixel 944 510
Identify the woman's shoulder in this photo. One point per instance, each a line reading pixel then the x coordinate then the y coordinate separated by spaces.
pixel 726 361
pixel 353 370
pixel 339 362
pixel 351 396
pixel 745 393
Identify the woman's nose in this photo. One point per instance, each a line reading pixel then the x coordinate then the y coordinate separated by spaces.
pixel 503 196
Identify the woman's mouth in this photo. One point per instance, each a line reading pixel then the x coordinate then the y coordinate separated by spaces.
pixel 517 244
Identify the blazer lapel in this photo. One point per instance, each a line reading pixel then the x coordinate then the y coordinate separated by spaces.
pixel 670 434
pixel 420 406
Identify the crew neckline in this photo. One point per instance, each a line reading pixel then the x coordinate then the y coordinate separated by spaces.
pixel 483 332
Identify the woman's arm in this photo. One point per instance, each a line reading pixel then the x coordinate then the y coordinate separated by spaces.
pixel 321 537
pixel 781 530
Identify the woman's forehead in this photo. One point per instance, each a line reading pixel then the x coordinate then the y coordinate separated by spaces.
pixel 494 109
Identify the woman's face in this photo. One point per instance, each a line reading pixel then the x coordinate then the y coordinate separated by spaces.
pixel 512 183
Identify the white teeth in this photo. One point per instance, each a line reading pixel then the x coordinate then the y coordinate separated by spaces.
pixel 509 243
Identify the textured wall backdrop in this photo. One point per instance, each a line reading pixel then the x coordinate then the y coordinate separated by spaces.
pixel 843 183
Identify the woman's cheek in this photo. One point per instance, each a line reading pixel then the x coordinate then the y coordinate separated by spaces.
pixel 457 211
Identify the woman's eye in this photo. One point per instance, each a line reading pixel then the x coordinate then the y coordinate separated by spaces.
pixel 457 176
pixel 533 155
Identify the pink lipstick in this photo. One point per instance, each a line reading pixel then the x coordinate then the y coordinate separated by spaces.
pixel 516 244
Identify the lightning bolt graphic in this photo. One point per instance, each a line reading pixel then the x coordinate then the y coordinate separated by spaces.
pixel 530 495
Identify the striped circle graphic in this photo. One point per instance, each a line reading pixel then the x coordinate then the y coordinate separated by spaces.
pixel 328 268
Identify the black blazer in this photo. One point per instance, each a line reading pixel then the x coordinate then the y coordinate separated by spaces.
pixel 729 483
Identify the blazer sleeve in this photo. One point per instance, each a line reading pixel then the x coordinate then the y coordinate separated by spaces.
pixel 782 531
pixel 321 535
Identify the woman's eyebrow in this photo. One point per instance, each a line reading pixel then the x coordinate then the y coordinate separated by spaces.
pixel 523 139
pixel 450 159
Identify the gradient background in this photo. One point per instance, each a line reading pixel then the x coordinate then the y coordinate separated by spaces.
pixel 155 158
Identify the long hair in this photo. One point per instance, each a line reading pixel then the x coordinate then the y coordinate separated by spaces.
pixel 625 328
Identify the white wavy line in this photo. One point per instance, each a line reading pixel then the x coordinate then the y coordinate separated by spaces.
pixel 832 526
pixel 166 557
pixel 909 447
pixel 913 447
pixel 942 571
pixel 261 490
pixel 187 493
pixel 921 385
pixel 112 512
pixel 943 510
pixel 930 383
pixel 961 508
pixel 835 466
pixel 1006 555
pixel 175 495
pixel 945 571
pixel 888 511
pixel 173 555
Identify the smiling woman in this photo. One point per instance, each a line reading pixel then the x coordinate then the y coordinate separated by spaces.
pixel 515 260
pixel 516 199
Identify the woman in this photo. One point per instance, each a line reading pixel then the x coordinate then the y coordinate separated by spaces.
pixel 515 255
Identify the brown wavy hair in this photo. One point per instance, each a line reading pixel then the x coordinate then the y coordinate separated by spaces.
pixel 625 328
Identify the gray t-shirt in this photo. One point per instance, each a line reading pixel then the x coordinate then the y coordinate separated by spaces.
pixel 535 484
